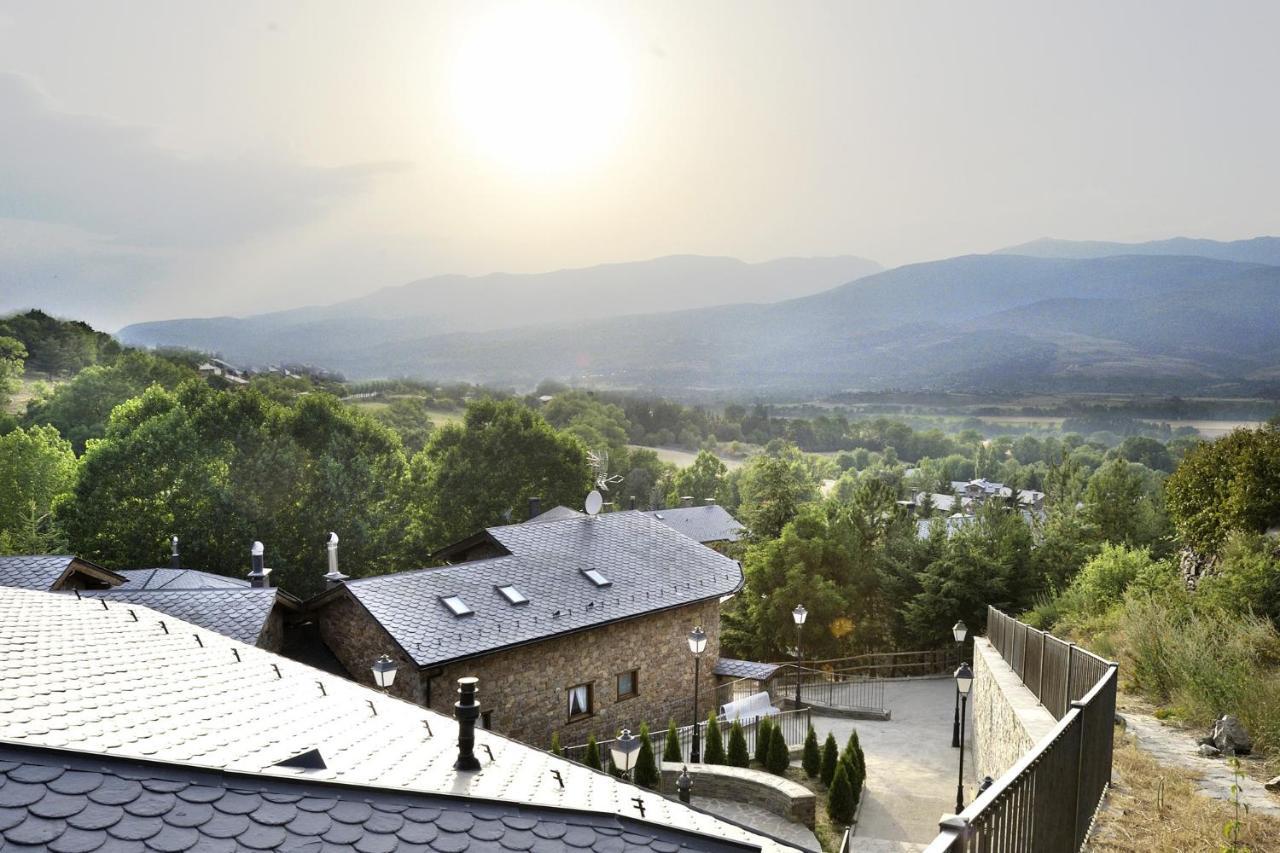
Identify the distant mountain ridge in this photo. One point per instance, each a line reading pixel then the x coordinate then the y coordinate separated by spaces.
pixel 455 303
pixel 1258 250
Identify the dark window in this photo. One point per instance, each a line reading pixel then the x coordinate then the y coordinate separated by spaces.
pixel 628 684
pixel 580 704
pixel 486 720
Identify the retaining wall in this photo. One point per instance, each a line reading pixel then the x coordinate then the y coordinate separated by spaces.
pixel 1006 717
pixel 781 796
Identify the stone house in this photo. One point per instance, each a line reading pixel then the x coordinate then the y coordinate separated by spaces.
pixel 575 626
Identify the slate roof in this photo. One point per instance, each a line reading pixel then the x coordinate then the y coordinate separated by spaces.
pixel 239 613
pixel 731 668
pixel 556 513
pixel 710 523
pixel 66 801
pixel 42 571
pixel 650 568
pixel 77 676
pixel 166 578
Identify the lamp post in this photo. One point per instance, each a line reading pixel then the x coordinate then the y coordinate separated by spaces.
pixel 959 631
pixel 964 680
pixel 384 673
pixel 697 645
pixel 624 751
pixel 799 615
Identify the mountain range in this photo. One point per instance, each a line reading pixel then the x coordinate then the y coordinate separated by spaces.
pixel 1099 319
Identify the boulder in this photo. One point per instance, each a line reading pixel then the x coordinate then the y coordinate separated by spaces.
pixel 1208 750
pixel 1274 784
pixel 1230 737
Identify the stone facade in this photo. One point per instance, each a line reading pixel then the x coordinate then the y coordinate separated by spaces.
pixel 272 636
pixel 524 690
pixel 1007 718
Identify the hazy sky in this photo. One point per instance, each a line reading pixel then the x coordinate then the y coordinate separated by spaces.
pixel 180 158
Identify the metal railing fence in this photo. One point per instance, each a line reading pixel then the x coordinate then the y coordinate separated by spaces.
pixel 831 689
pixel 794 725
pixel 1047 801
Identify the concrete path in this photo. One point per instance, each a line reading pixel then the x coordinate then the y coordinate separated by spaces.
pixel 911 765
pixel 1173 745
pixel 762 819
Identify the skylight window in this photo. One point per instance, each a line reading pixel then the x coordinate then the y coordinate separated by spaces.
pixel 456 605
pixel 597 578
pixel 513 595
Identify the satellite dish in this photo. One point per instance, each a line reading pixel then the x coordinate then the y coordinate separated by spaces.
pixel 594 502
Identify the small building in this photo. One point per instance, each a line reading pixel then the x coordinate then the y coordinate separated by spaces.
pixel 706 524
pixel 183 739
pixel 55 573
pixel 581 623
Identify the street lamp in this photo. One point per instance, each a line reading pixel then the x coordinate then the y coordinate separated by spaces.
pixel 624 751
pixel 697 645
pixel 799 614
pixel 384 672
pixel 959 631
pixel 964 680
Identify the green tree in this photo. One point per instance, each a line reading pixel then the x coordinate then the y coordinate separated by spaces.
pixel 671 752
pixel 597 424
pixel 479 473
pixel 1247 577
pixel 705 478
pixel 1147 451
pixel 36 467
pixel 840 800
pixel 773 486
pixel 830 758
pixel 12 358
pixel 58 347
pixel 592 756
pixel 739 756
pixel 556 748
pixel 764 731
pixel 855 762
pixel 713 749
pixel 779 757
pixel 1124 504
pixel 1232 484
pixel 645 774
pixel 410 417
pixel 812 760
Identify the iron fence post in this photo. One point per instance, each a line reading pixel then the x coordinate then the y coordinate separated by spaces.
pixel 1040 686
pixel 1066 682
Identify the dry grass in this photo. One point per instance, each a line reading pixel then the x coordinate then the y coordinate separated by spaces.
pixel 828 833
pixel 1154 807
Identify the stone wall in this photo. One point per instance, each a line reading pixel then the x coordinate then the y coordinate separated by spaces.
pixel 781 796
pixel 1006 717
pixel 272 636
pixel 523 691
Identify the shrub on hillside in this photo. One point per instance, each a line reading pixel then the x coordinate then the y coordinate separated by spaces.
pixel 812 760
pixel 713 751
pixel 739 756
pixel 764 730
pixel 830 758
pixel 779 758
pixel 840 801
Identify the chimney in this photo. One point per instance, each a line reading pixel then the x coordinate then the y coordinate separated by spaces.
pixel 686 500
pixel 467 710
pixel 535 508
pixel 632 502
pixel 175 562
pixel 334 577
pixel 259 577
pixel 709 501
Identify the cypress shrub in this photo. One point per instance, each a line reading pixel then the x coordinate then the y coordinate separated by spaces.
pixel 671 752
pixel 713 750
pixel 830 758
pixel 812 761
pixel 764 729
pixel 646 773
pixel 779 758
pixel 840 801
pixel 556 749
pixel 739 756
pixel 592 758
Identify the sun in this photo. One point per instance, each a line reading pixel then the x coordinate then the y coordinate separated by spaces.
pixel 541 90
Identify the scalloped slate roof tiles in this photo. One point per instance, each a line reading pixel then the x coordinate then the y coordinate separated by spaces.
pixel 74 675
pixel 239 613
pixel 649 565
pixel 730 668
pixel 69 802
pixel 33 572
pixel 167 578
pixel 711 523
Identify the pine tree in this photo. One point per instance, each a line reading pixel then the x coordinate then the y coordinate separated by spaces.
pixel 812 761
pixel 739 756
pixel 671 752
pixel 592 758
pixel 840 801
pixel 830 758
pixel 779 758
pixel 764 729
pixel 713 750
pixel 646 773
pixel 556 749
pixel 855 764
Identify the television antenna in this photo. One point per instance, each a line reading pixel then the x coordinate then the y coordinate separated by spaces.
pixel 599 462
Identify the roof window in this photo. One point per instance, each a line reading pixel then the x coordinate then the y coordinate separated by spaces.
pixel 456 605
pixel 597 578
pixel 513 595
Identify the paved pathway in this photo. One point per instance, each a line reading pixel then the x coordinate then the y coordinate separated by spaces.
pixel 911 765
pixel 1172 745
pixel 762 819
